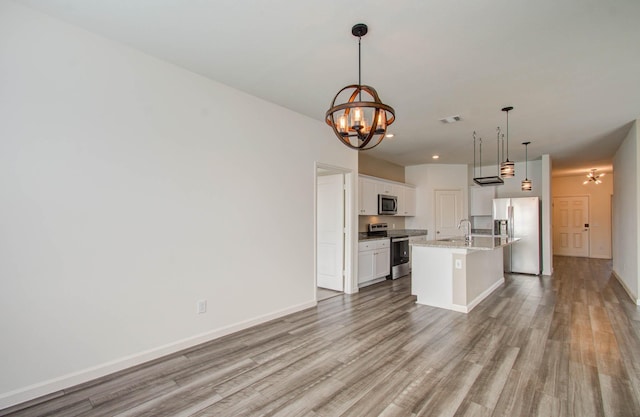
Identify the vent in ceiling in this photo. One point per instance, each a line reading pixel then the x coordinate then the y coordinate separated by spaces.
pixel 451 119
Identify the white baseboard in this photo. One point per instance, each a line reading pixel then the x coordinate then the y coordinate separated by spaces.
pixel 630 293
pixel 51 386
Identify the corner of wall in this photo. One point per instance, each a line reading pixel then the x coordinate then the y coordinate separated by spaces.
pixel 547 231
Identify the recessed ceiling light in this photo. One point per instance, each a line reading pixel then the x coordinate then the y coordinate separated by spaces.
pixel 389 135
pixel 435 157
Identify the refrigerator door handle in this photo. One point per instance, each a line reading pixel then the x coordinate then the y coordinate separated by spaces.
pixel 510 224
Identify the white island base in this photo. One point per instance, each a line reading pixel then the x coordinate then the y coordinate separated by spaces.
pixel 455 275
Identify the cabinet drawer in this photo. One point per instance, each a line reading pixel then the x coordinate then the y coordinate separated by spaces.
pixel 373 244
pixel 382 243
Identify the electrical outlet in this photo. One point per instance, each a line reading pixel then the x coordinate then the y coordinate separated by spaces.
pixel 202 306
pixel 458 263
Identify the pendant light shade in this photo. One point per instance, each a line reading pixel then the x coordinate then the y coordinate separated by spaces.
pixel 361 121
pixel 526 182
pixel 507 168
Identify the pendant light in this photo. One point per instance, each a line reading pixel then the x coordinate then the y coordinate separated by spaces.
pixel 526 182
pixel 359 124
pixel 507 168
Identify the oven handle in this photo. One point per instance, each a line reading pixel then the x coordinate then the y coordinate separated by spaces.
pixel 402 239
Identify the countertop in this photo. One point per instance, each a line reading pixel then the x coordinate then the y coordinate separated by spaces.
pixel 477 243
pixel 393 233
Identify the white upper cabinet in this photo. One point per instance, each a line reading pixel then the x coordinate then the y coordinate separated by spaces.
pixel 409 201
pixel 398 191
pixel 482 200
pixel 370 187
pixel 384 188
pixel 367 197
pixel 406 199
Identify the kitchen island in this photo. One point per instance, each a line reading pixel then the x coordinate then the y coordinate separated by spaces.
pixel 457 275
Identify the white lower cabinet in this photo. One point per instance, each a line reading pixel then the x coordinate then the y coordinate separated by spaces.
pixel 374 260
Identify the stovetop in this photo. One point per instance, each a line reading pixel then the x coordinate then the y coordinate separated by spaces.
pixel 381 230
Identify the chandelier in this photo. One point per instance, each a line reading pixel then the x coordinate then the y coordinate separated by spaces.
pixel 507 168
pixel 359 122
pixel 592 177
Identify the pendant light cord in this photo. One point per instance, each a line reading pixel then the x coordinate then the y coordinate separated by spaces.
pixel 507 135
pixel 526 161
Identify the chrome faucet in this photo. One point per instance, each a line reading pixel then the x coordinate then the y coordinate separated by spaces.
pixel 466 230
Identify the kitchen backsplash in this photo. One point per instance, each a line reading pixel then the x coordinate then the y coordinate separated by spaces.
pixel 364 221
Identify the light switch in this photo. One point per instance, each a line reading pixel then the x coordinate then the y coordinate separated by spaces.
pixel 458 263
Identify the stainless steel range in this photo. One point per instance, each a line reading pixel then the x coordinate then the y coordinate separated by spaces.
pixel 400 265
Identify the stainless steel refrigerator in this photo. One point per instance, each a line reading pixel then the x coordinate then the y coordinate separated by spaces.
pixel 520 218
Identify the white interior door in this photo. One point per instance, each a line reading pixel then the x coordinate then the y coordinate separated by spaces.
pixel 330 218
pixel 448 212
pixel 570 226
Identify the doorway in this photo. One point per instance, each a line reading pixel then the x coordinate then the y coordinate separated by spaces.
pixel 333 231
pixel 571 226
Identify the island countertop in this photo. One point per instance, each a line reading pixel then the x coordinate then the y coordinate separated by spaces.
pixel 477 243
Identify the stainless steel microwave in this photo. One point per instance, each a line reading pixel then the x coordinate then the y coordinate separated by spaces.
pixel 387 204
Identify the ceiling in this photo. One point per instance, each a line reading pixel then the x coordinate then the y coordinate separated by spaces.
pixel 570 68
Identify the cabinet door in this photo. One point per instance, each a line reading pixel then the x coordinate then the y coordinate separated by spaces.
pixel 398 191
pixel 384 188
pixel 382 259
pixel 365 266
pixel 367 197
pixel 409 201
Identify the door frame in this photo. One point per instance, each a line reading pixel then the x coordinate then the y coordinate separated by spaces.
pixel 349 210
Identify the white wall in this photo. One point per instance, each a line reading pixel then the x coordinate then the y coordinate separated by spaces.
pixel 430 177
pixel 132 188
pixel 626 212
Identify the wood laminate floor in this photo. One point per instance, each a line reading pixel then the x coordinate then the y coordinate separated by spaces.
pixel 324 293
pixel 567 345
